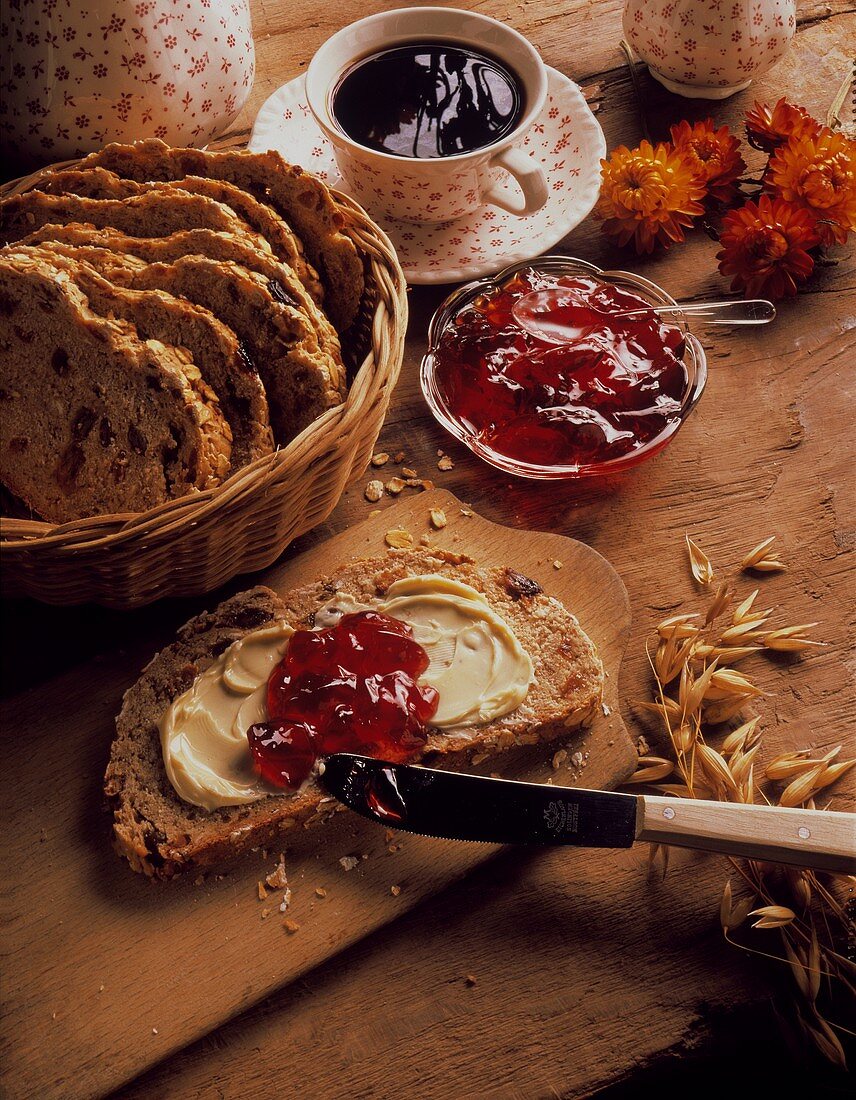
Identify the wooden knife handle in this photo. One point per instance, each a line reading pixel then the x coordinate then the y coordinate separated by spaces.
pixel 820 839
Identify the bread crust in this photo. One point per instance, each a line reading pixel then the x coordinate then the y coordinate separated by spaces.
pixel 161 836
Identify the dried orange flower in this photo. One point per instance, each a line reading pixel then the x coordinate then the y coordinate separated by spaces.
pixel 818 174
pixel 767 129
pixel 765 247
pixel 649 196
pixel 713 155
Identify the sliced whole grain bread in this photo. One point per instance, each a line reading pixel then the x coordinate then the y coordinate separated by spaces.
pixel 214 348
pixel 300 198
pixel 156 213
pixel 73 442
pixel 161 835
pixel 301 379
pixel 247 249
pixel 98 183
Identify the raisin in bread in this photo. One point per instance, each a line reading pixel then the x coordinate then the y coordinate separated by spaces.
pixel 161 835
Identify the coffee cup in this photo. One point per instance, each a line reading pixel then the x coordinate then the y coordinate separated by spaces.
pixel 445 187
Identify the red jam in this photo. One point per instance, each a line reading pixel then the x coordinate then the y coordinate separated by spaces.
pixel 615 387
pixel 349 688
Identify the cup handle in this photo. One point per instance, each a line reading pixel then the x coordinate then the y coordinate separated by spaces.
pixel 530 178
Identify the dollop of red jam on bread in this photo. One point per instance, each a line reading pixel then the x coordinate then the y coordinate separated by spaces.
pixel 352 687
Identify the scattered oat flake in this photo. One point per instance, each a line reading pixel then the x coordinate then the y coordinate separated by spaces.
pixel 559 758
pixel 349 862
pixel 395 891
pixel 438 518
pixel 699 562
pixel 373 491
pixel 291 926
pixel 445 463
pixel 320 892
pixel 577 759
pixel 466 511
pixel 380 459
pixel 375 512
pixel 408 471
pixel 398 538
pixel 394 486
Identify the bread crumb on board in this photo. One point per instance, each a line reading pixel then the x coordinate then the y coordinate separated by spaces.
pixel 437 518
pixel 445 463
pixel 277 879
pixel 349 862
pixel 380 458
pixel 395 891
pixel 291 926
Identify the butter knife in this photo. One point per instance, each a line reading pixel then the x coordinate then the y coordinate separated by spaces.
pixel 502 811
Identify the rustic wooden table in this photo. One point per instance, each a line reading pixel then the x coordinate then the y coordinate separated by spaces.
pixel 587 972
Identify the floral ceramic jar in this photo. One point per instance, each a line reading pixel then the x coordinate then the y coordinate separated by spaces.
pixel 77 75
pixel 709 49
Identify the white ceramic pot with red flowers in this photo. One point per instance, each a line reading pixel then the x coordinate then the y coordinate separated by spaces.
pixel 709 49
pixel 74 76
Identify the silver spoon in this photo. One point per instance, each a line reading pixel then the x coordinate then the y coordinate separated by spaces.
pixel 535 312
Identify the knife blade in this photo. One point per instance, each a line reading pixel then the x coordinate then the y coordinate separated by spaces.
pixel 471 807
pixel 457 806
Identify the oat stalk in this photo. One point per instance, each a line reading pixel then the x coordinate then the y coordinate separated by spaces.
pixel 696 687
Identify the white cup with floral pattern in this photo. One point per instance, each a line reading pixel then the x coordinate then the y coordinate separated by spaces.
pixel 443 188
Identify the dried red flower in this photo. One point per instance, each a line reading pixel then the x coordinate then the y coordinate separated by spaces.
pixel 714 156
pixel 768 129
pixel 819 174
pixel 765 247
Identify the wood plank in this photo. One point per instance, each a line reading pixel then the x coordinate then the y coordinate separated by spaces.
pixel 124 940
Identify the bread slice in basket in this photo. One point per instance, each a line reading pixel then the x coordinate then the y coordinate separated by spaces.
pixel 152 214
pixel 98 183
pixel 301 199
pixel 215 349
pixel 302 379
pixel 161 835
pixel 94 419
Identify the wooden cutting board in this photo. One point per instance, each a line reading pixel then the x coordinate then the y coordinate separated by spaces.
pixel 106 973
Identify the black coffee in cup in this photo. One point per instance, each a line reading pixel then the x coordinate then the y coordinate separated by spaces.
pixel 427 100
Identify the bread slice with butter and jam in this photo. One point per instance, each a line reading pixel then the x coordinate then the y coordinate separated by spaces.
pixel 503 665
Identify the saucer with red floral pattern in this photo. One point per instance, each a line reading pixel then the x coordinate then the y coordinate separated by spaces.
pixel 566 138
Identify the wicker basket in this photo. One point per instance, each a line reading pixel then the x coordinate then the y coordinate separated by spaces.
pixel 196 543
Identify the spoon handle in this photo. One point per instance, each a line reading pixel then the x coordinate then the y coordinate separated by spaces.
pixel 751 311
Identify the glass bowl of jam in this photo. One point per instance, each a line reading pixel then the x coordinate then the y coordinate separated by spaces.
pixel 610 395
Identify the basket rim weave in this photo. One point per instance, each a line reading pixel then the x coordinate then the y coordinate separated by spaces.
pixel 378 368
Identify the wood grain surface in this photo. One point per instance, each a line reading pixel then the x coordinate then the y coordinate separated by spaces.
pixel 587 971
pixel 126 940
